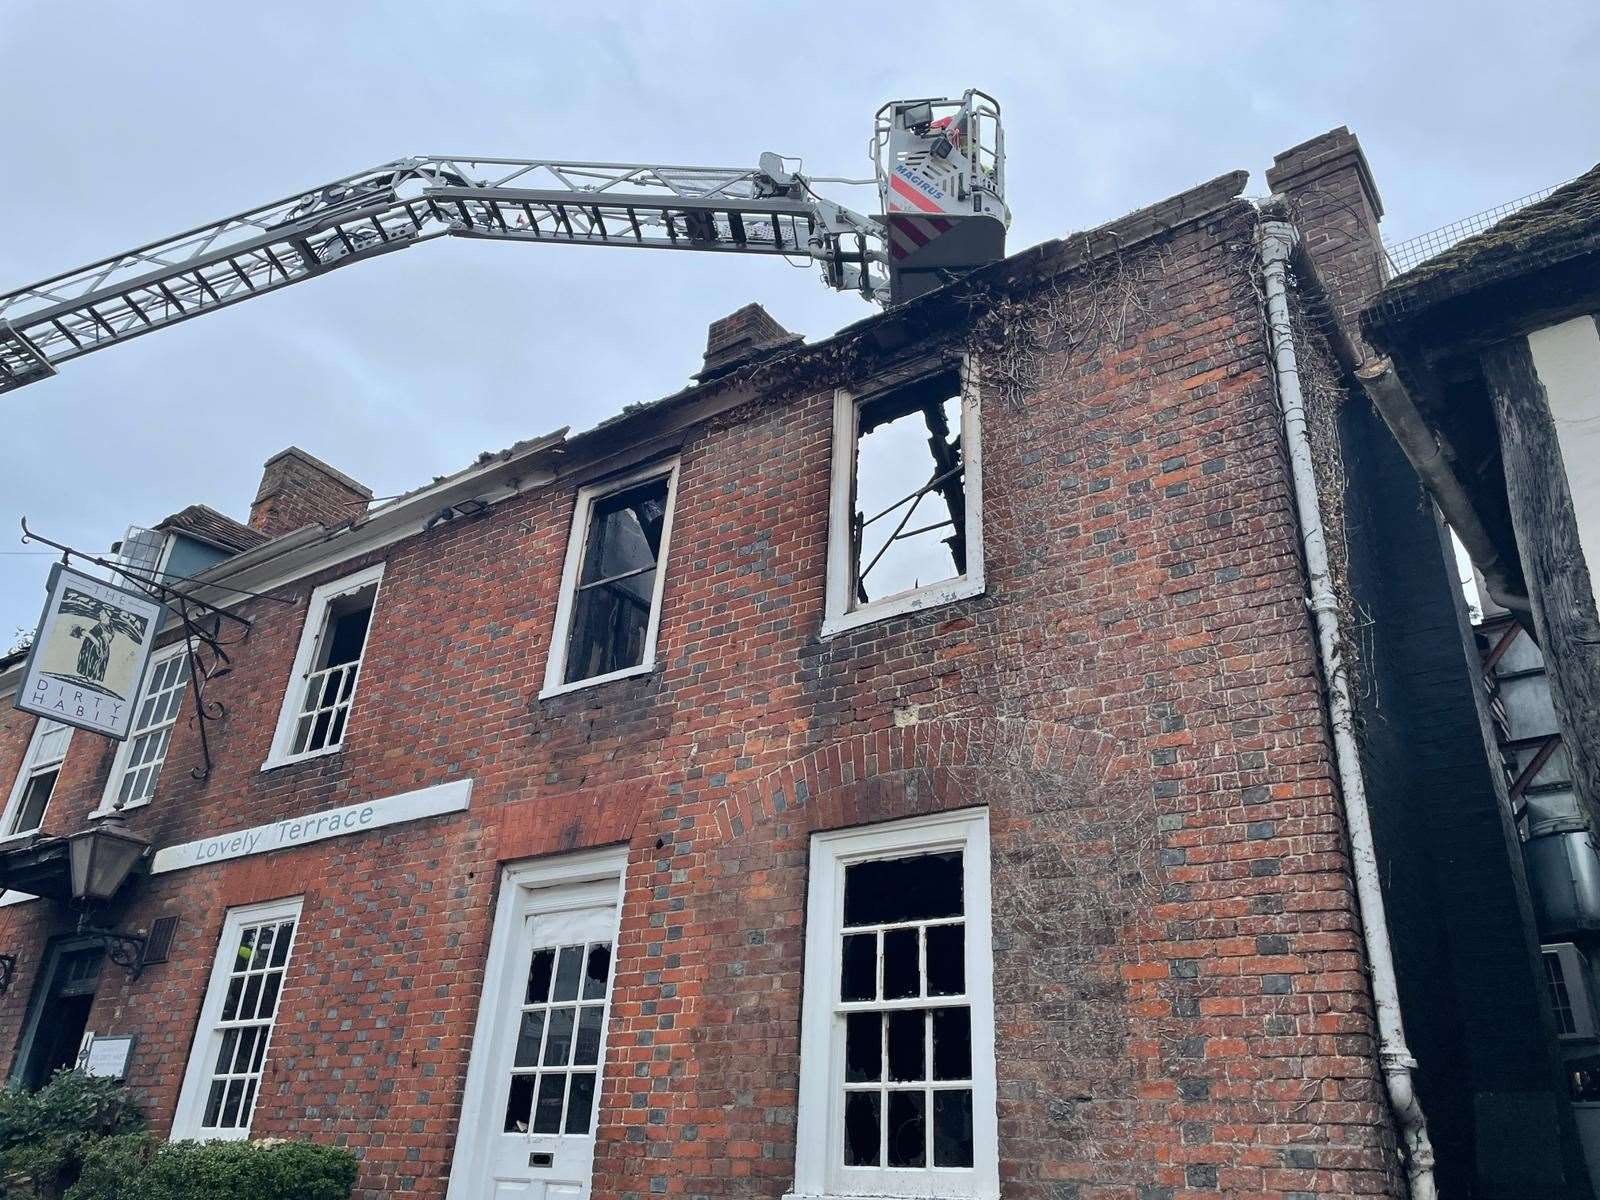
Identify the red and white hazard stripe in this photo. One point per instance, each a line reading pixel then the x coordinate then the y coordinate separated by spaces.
pixel 907 234
pixel 906 192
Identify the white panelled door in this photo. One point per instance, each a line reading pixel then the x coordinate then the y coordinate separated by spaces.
pixel 547 1049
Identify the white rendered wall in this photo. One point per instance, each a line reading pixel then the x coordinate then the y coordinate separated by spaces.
pixel 1567 357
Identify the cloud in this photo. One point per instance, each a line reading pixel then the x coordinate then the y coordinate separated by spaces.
pixel 408 366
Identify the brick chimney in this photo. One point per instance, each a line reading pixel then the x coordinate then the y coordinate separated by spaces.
pixel 298 489
pixel 1336 206
pixel 742 338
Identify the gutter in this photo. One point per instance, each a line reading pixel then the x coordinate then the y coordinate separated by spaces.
pixel 1276 241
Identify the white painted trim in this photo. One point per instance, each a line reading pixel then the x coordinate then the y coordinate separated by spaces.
pixel 305 654
pixel 517 881
pixel 841 610
pixel 26 772
pixel 119 764
pixel 191 1098
pixel 1574 968
pixel 556 660
pixel 290 832
pixel 819 1132
pixel 1566 357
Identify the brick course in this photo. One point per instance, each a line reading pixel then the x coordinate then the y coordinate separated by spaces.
pixel 1181 1006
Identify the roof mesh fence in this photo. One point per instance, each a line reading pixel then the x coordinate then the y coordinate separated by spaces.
pixel 1413 252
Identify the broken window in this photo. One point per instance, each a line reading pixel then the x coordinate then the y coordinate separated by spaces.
pixel 897 1038
pixel 611 589
pixel 322 687
pixel 905 511
pixel 36 781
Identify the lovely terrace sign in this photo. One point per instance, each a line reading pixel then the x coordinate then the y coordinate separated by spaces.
pixel 315 827
pixel 301 831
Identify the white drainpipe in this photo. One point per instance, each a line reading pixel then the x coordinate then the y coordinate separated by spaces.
pixel 1277 240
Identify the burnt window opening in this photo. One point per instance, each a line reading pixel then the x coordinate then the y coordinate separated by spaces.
pixel 35 798
pixel 331 682
pixel 908 496
pixel 614 594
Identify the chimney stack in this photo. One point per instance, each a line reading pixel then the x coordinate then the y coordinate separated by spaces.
pixel 741 338
pixel 298 489
pixel 1336 206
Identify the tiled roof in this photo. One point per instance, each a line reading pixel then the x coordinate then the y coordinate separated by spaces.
pixel 1562 226
pixel 208 525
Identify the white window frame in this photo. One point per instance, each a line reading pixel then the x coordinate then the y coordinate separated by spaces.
pixel 842 611
pixel 203 1049
pixel 30 767
pixel 310 640
pixel 119 764
pixel 556 661
pixel 819 1173
pixel 1575 975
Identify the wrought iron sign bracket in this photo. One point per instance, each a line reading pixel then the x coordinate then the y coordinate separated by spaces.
pixel 124 949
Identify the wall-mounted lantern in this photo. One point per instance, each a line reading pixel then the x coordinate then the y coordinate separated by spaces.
pixel 100 859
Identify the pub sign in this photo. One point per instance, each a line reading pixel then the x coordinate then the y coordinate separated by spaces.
pixel 89 655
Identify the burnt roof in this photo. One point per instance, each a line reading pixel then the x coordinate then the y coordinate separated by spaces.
pixel 1563 226
pixel 206 524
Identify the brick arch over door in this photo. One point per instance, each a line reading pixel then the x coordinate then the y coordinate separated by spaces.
pixel 1075 876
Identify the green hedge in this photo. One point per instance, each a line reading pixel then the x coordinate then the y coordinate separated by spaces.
pixel 79 1138
pixel 135 1167
pixel 44 1135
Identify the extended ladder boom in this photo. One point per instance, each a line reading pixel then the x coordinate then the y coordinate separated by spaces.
pixel 940 177
pixel 412 200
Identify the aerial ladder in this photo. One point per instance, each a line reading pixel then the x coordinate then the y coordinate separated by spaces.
pixel 940 174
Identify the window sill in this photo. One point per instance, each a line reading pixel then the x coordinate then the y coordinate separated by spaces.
pixel 105 811
pixel 274 762
pixel 932 596
pixel 13 839
pixel 561 689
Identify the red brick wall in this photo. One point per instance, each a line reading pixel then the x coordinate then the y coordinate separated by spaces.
pixel 1179 998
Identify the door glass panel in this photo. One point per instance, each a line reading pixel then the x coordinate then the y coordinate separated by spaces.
pixel 529 1039
pixel 580 1103
pixel 567 973
pixel 547 1113
pixel 539 976
pixel 597 972
pixel 587 1051
pixel 560 1028
pixel 559 1040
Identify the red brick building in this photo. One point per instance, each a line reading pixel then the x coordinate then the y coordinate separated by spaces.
pixel 1028 880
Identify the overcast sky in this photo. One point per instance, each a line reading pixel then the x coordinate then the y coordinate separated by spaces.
pixel 127 122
